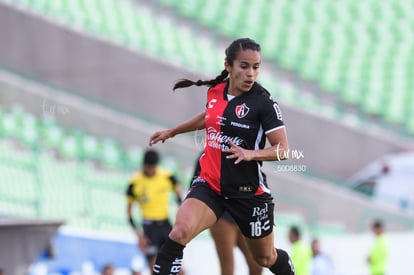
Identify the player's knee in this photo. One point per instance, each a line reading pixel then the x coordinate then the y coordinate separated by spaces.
pixel 181 233
pixel 264 260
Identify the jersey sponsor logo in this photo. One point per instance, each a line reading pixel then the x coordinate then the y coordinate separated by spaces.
pixel 261 213
pixel 242 110
pixel 245 189
pixel 266 225
pixel 211 103
pixel 277 110
pixel 220 120
pixel 240 125
pixel 217 140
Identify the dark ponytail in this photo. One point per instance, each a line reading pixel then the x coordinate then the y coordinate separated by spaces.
pixel 231 54
pixel 184 83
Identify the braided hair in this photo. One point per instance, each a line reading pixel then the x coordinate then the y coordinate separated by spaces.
pixel 231 53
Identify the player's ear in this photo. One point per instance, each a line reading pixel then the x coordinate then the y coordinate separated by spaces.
pixel 227 67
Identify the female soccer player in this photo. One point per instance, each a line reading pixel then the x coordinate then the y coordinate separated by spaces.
pixel 239 116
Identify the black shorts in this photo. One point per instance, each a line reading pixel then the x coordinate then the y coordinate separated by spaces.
pixel 254 216
pixel 157 233
pixel 227 217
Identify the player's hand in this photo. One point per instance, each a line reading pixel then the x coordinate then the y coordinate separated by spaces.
pixel 238 153
pixel 143 242
pixel 160 136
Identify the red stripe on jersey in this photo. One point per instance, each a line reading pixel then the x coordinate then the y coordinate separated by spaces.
pixel 211 160
pixel 259 191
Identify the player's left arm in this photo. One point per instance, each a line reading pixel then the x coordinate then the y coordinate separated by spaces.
pixel 277 151
pixel 279 147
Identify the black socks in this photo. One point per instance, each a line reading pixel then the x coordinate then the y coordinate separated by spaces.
pixel 283 264
pixel 169 258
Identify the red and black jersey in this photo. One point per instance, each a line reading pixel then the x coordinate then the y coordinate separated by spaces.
pixel 245 120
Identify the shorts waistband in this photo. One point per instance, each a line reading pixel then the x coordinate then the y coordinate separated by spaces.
pixel 156 222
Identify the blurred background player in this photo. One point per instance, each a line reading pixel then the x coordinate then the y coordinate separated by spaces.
pixel 300 253
pixel 378 257
pixel 108 269
pixel 226 235
pixel 150 189
pixel 321 263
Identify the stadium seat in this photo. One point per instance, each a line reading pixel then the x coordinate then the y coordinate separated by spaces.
pixel 107 206
pixel 11 121
pixel 114 180
pixel 15 208
pixel 51 132
pixel 19 183
pixel 64 199
pixel 16 154
pixel 89 147
pixel 30 130
pixel 169 163
pixel 134 156
pixel 210 12
pixel 111 153
pixel 187 7
pixel 131 31
pixel 71 147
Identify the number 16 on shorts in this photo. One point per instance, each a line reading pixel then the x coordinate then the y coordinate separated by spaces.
pixel 257 227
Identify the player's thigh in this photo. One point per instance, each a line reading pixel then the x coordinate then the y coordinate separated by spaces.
pixel 199 211
pixel 193 217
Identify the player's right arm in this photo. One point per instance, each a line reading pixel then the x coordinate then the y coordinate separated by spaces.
pixel 195 123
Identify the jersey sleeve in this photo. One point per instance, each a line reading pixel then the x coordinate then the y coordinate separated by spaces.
pixel 130 195
pixel 271 115
pixel 173 180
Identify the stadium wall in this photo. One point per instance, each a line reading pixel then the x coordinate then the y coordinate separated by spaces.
pixel 22 240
